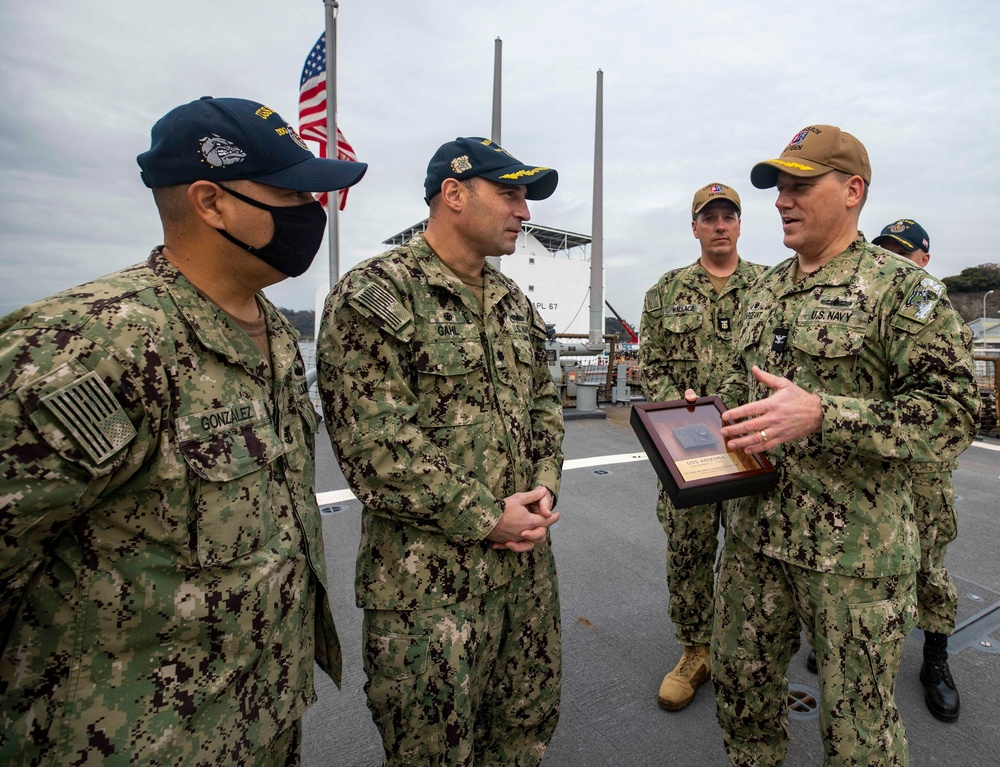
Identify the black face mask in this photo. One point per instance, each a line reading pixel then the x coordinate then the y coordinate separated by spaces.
pixel 298 233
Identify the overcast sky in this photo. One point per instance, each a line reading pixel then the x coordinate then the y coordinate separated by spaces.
pixel 694 92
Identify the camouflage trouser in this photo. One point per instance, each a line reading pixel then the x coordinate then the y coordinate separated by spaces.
pixel 856 625
pixel 692 540
pixel 284 751
pixel 477 682
pixel 934 508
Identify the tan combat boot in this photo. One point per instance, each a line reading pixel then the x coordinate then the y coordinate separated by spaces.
pixel 679 686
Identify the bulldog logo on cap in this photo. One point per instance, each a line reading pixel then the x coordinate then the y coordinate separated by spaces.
pixel 220 152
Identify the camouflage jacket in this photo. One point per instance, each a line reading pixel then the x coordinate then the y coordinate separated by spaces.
pixel 161 562
pixel 876 338
pixel 436 412
pixel 689 330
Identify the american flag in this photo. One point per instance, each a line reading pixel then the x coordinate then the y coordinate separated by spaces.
pixel 312 111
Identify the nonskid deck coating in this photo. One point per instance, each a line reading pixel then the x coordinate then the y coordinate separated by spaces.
pixel 618 640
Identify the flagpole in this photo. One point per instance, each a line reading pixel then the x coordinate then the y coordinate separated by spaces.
pixel 497 84
pixel 597 233
pixel 495 127
pixel 332 205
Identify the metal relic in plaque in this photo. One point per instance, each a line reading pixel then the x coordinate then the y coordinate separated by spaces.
pixel 684 442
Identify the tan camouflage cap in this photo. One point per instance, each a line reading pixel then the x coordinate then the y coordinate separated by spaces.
pixel 714 191
pixel 814 151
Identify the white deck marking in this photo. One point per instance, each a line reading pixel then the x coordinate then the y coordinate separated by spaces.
pixel 601 460
pixel 335 496
pixel 342 496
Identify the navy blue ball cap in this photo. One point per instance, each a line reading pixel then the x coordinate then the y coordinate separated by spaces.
pixel 228 139
pixel 470 157
pixel 908 233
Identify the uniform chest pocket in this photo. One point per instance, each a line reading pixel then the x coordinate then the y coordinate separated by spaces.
pixel 514 362
pixel 680 335
pixel 830 354
pixel 450 385
pixel 231 455
pixel 829 340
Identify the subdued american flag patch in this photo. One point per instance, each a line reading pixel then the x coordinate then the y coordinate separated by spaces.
pixel 383 304
pixel 91 414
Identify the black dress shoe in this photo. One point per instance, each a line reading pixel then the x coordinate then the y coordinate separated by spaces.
pixel 811 662
pixel 940 692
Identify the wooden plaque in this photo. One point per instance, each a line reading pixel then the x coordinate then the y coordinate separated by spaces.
pixel 684 442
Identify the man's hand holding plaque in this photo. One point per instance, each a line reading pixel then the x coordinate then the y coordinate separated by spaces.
pixel 685 444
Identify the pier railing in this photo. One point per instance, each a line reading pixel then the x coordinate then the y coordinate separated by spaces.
pixel 988 378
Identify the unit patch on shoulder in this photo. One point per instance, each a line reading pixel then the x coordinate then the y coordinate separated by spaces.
pixel 91 414
pixel 922 299
pixel 652 301
pixel 384 305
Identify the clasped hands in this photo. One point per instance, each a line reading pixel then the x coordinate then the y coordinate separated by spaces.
pixel 788 413
pixel 526 518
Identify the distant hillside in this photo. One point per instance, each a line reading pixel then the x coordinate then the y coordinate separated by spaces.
pixel 968 289
pixel 970 305
pixel 302 321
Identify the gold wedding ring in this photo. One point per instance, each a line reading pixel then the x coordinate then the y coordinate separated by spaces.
pixel 763 435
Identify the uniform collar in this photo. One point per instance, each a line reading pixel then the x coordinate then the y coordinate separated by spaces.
pixel 494 285
pixel 217 332
pixel 697 277
pixel 839 270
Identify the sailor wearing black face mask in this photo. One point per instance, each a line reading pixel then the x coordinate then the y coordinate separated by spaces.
pixel 298 233
pixel 176 537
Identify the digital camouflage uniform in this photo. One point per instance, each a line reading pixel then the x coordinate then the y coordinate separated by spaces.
pixel 436 411
pixel 937 526
pixel 834 546
pixel 162 572
pixel 688 335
